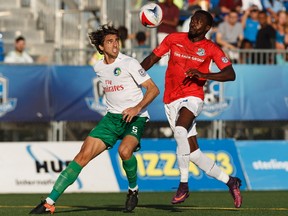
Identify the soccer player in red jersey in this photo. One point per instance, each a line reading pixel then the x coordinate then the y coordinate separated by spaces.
pixel 188 69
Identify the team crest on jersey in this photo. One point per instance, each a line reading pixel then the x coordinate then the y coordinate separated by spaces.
pixel 142 72
pixel 98 102
pixel 201 52
pixel 214 101
pixel 224 59
pixel 6 104
pixel 117 71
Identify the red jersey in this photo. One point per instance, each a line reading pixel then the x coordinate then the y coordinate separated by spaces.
pixel 185 55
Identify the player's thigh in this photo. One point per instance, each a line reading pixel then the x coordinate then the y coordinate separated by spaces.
pixel 89 150
pixel 185 118
pixel 109 129
pixel 176 115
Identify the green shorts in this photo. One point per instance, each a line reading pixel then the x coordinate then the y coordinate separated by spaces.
pixel 112 128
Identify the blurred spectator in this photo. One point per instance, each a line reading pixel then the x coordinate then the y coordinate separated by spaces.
pixel 141 39
pixel 179 3
pixel 95 57
pixel 246 4
pixel 123 34
pixel 1 48
pixel 204 4
pixel 141 50
pixel 186 23
pixel 230 35
pixel 282 58
pixel 285 3
pixel 214 4
pixel 245 56
pixel 250 24
pixel 265 39
pixel 19 55
pixel 169 24
pixel 273 6
pixel 230 5
pixel 280 25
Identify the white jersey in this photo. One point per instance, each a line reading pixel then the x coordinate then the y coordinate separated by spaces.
pixel 121 82
pixel 16 57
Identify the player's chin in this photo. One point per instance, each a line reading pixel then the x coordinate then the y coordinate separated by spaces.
pixel 193 35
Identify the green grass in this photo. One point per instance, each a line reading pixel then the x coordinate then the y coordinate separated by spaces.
pixel 199 203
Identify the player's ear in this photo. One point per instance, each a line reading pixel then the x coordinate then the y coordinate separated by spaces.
pixel 101 47
pixel 208 28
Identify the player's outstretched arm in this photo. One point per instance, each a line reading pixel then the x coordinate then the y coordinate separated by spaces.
pixel 151 93
pixel 226 74
pixel 149 61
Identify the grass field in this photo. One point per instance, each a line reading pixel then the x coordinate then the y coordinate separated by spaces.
pixel 150 204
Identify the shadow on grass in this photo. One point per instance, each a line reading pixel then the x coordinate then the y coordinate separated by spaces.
pixel 118 208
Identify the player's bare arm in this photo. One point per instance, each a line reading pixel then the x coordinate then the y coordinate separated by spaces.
pixel 149 61
pixel 151 93
pixel 226 74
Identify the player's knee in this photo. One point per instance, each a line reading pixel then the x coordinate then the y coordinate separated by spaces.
pixel 124 153
pixel 81 160
pixel 180 133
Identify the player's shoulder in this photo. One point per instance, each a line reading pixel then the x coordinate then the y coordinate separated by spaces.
pixel 11 53
pixel 98 63
pixel 123 57
pixel 126 59
pixel 210 43
pixel 178 34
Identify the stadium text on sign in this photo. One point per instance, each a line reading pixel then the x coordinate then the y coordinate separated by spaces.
pixel 164 164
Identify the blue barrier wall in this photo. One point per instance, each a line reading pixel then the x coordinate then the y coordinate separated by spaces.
pixel 72 93
pixel 265 164
pixel 261 165
pixel 158 169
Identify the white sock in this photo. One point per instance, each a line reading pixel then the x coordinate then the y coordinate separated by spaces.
pixel 183 152
pixel 49 201
pixel 133 189
pixel 208 166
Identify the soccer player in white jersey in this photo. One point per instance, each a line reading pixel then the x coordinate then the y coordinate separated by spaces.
pixel 122 78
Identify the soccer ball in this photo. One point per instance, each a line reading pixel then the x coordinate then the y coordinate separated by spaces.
pixel 151 15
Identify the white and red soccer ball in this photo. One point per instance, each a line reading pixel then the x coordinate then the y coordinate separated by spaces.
pixel 151 15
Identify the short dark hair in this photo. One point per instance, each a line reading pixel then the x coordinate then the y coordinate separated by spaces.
pixel 19 38
pixel 208 16
pixel 141 36
pixel 97 37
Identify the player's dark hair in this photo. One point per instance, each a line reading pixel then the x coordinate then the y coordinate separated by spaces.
pixel 208 16
pixel 19 38
pixel 97 37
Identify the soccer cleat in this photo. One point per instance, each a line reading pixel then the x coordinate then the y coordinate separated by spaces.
pixel 43 208
pixel 234 184
pixel 131 200
pixel 182 193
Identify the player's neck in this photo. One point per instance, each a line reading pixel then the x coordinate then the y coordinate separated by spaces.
pixel 194 40
pixel 108 59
